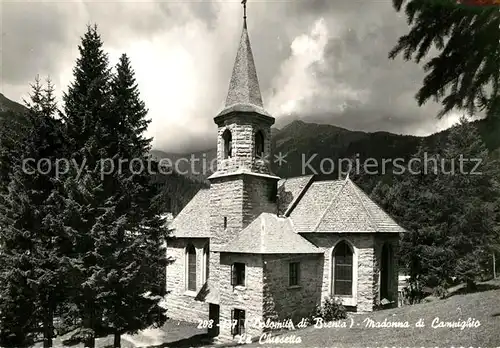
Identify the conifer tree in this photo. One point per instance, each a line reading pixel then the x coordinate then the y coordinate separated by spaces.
pixel 451 215
pixel 88 128
pixel 115 215
pixel 31 274
pixel 465 74
pixel 471 191
pixel 135 238
pixel 415 203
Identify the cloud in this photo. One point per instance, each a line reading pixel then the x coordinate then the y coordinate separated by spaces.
pixel 300 86
pixel 319 60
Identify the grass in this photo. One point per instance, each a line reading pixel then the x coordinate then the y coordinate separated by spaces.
pixel 173 334
pixel 481 306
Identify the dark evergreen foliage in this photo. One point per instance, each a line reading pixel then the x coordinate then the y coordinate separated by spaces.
pixel 32 266
pixel 465 74
pixel 450 212
pixel 120 234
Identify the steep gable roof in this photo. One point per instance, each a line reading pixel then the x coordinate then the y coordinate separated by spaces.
pixel 192 221
pixel 270 234
pixel 311 207
pixel 340 206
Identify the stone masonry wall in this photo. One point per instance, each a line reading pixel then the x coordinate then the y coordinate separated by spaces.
pixel 243 129
pixel 180 303
pixel 226 201
pixel 365 297
pixel 248 298
pixel 259 196
pixel 282 301
pixel 239 199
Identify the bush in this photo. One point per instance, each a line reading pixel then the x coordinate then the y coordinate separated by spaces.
pixel 330 310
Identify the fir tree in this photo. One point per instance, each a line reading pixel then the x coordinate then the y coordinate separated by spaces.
pixel 31 272
pixel 465 74
pixel 135 236
pixel 451 214
pixel 88 130
pixel 115 216
pixel 415 203
pixel 472 192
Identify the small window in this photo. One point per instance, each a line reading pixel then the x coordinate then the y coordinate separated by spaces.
pixel 228 144
pixel 238 274
pixel 343 269
pixel 225 222
pixel 259 145
pixel 206 262
pixel 237 322
pixel 191 268
pixel 293 273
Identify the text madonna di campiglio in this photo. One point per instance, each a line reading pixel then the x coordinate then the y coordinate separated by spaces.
pixel 319 323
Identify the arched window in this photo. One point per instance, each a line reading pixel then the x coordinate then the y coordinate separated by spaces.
pixel 228 143
pixel 342 270
pixel 385 272
pixel 205 263
pixel 191 267
pixel 259 144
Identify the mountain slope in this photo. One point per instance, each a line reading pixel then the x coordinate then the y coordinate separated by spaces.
pixel 10 112
pixel 310 148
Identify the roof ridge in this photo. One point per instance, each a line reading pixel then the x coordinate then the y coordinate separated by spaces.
pixel 262 232
pixel 329 205
pixel 372 220
pixel 294 203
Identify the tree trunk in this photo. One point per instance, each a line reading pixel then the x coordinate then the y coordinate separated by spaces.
pixel 48 328
pixel 471 285
pixel 117 341
pixel 89 325
pixel 494 267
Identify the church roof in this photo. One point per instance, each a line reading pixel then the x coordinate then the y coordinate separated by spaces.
pixel 339 206
pixel 270 234
pixel 308 206
pixel 244 91
pixel 290 190
pixel 193 220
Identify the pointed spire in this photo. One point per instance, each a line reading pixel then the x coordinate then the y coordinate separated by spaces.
pixel 244 86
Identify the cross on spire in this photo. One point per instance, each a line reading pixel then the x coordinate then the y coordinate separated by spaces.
pixel 244 2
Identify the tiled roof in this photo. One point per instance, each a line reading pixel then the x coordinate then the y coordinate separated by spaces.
pixel 289 191
pixel 380 219
pixel 244 90
pixel 193 220
pixel 310 208
pixel 270 234
pixel 340 206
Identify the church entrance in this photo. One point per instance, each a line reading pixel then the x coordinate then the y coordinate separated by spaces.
pixel 213 314
pixel 385 272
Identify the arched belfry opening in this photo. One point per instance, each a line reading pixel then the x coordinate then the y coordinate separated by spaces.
pixel 259 144
pixel 228 144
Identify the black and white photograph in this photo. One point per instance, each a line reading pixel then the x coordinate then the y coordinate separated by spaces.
pixel 254 173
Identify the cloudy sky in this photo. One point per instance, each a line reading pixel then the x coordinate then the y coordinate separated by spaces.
pixel 321 61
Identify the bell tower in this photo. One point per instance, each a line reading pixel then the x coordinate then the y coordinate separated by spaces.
pixel 243 186
pixel 244 127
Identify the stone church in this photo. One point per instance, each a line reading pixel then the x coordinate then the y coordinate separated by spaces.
pixel 257 247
